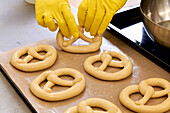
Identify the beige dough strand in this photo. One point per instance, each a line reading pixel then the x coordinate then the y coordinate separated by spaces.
pixel 106 58
pixel 85 106
pixel 46 60
pixel 148 92
pixel 95 43
pixel 52 77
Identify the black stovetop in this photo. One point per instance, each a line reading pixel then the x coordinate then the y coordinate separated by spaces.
pixel 129 25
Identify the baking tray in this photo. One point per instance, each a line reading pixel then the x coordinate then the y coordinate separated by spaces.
pixel 143 68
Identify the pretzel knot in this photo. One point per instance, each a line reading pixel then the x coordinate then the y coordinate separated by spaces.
pixel 52 77
pixel 95 43
pixel 46 60
pixel 106 58
pixel 146 89
pixel 85 106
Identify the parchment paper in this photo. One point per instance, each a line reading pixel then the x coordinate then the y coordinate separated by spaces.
pixel 143 68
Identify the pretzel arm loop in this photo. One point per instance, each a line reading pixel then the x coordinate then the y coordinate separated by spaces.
pixel 155 82
pixel 47 87
pixel 69 42
pixel 106 59
pixel 114 63
pixel 27 59
pixel 33 52
pixel 48 54
pixel 45 48
pixel 55 79
pixel 18 54
pixel 85 38
pixel 148 94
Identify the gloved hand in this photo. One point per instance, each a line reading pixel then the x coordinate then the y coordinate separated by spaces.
pixel 48 12
pixel 95 15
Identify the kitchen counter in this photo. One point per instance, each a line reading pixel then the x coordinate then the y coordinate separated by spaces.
pixel 18 27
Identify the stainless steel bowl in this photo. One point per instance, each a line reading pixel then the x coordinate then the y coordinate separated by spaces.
pixel 156 19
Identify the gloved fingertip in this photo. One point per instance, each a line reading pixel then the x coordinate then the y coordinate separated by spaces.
pixel 92 34
pixel 100 32
pixel 87 30
pixel 76 35
pixel 81 24
pixel 53 28
pixel 67 36
pixel 80 21
pixel 41 23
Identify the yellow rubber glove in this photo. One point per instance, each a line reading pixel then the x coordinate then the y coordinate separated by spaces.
pixel 95 15
pixel 48 12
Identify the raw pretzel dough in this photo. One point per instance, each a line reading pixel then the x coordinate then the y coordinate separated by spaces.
pixel 146 89
pixel 85 106
pixel 46 60
pixel 106 58
pixel 66 45
pixel 52 77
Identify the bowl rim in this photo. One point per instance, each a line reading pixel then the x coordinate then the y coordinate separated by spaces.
pixel 149 18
